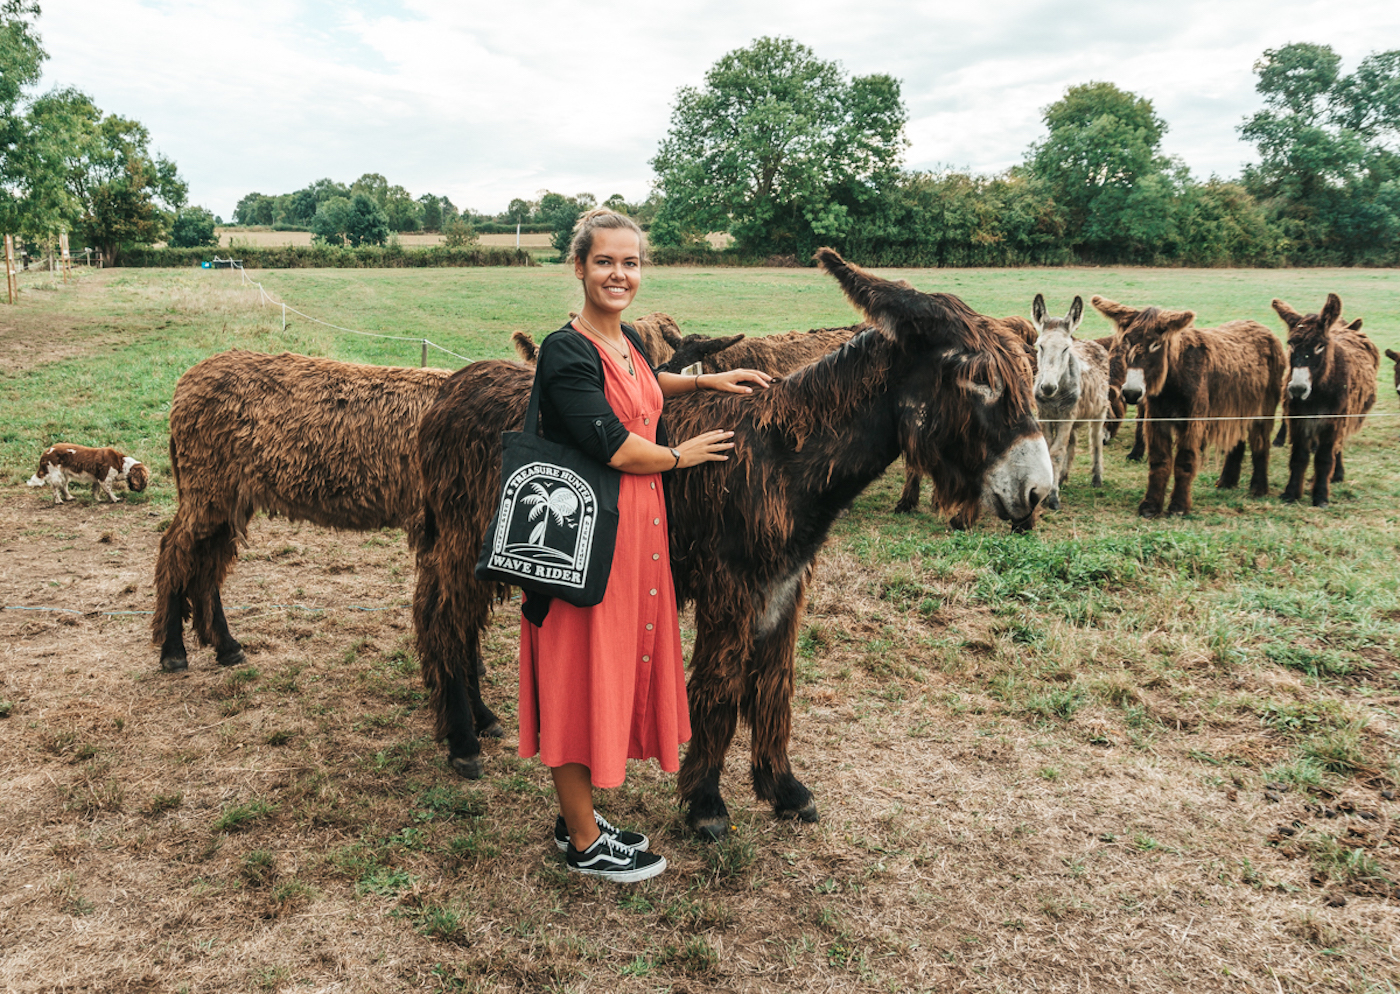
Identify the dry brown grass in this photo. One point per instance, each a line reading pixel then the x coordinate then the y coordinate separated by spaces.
pixel 289 826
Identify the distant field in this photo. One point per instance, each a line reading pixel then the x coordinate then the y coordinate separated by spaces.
pixel 273 238
pixel 1111 755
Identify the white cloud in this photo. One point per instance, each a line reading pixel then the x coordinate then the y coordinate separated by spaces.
pixel 484 102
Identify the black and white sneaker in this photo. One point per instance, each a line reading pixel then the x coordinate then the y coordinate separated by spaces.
pixel 632 840
pixel 611 860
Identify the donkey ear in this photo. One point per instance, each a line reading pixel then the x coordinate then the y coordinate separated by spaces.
pixel 525 347
pixel 1038 312
pixel 710 346
pixel 1331 311
pixel 1289 315
pixel 1392 355
pixel 1075 315
pixel 885 304
pixel 1119 314
pixel 1174 321
pixel 1355 325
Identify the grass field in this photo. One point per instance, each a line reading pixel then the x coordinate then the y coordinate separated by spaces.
pixel 1111 755
pixel 229 237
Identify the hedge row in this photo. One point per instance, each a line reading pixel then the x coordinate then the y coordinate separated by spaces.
pixel 496 228
pixel 331 257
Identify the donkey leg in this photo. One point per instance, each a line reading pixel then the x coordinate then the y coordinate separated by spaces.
pixel 909 499
pixel 1297 467
pixel 228 651
pixel 449 669
pixel 1230 472
pixel 172 647
pixel 1339 473
pixel 1139 441
pixel 1096 434
pixel 1259 455
pixel 768 708
pixel 1188 459
pixel 713 691
pixel 1322 468
pixel 1159 469
pixel 459 700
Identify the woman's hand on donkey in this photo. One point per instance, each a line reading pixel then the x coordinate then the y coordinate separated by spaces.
pixel 732 381
pixel 710 446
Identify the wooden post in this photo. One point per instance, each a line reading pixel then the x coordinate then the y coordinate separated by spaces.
pixel 424 363
pixel 67 258
pixel 11 278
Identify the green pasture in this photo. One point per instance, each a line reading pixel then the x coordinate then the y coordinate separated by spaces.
pixel 126 336
pixel 1250 651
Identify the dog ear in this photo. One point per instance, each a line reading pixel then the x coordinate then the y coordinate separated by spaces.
pixel 1120 314
pixel 1289 315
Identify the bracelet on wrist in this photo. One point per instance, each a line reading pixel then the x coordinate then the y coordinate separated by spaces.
pixel 677 454
pixel 697 381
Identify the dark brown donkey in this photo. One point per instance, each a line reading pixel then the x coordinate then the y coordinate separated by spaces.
pixel 1202 386
pixel 1330 391
pixel 932 380
pixel 1394 357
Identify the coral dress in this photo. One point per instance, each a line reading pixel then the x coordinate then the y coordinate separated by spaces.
pixel 604 684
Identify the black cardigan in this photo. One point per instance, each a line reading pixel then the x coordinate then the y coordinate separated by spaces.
pixel 574 411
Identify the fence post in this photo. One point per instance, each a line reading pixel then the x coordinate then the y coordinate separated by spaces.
pixel 284 317
pixel 424 364
pixel 11 281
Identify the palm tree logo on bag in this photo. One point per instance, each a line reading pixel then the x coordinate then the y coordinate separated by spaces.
pixel 547 520
pixel 559 504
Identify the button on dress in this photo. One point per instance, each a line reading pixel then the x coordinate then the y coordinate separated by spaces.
pixel 604 684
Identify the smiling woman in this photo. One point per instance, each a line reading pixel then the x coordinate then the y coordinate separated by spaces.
pixel 603 684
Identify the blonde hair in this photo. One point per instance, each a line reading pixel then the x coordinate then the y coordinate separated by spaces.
pixel 602 217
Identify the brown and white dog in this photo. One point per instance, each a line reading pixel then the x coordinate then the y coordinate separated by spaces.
pixel 63 463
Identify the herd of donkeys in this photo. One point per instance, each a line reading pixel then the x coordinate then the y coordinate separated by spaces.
pixel 985 409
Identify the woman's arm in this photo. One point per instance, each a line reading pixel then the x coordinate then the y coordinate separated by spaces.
pixel 732 381
pixel 637 455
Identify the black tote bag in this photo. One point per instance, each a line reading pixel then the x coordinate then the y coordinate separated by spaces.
pixel 555 525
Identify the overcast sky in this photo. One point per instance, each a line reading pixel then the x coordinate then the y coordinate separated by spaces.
pixel 488 101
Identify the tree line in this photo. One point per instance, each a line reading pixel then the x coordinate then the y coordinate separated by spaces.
pixel 786 152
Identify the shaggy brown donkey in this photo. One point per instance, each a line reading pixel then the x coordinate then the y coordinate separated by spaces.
pixel 1187 376
pixel 1117 407
pixel 1333 381
pixel 1281 439
pixel 313 439
pixel 932 380
pixel 962 519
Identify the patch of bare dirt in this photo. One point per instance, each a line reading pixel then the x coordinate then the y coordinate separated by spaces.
pixel 289 824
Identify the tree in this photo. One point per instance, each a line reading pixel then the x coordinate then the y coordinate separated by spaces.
pixel 372 185
pixel 561 213
pixel 355 221
pixel 778 147
pixel 402 211
pixel 432 212
pixel 519 211
pixel 1101 163
pixel 1329 162
pixel 255 208
pixel 193 227
pixel 331 220
pixel 458 232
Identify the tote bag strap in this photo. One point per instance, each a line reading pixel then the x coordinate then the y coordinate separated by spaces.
pixel 532 411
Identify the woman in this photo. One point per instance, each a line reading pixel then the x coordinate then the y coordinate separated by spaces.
pixel 604 684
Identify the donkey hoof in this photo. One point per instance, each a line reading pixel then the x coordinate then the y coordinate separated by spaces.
pixel 1321 503
pixel 714 828
pixel 1149 512
pixel 1288 498
pixel 905 507
pixel 467 766
pixel 808 814
pixel 492 731
pixel 174 664
pixel 233 657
